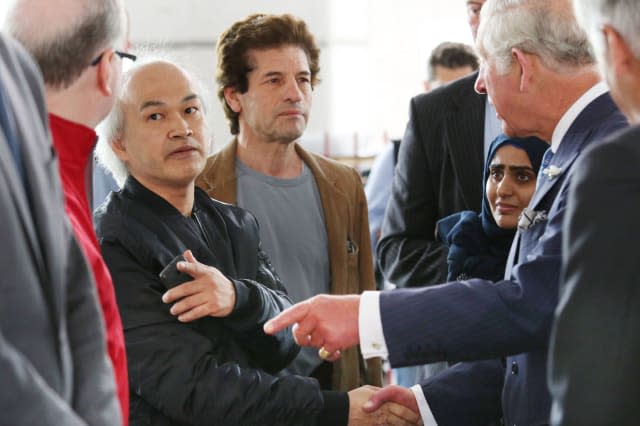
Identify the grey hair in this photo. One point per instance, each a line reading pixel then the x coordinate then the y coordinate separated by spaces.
pixel 110 130
pixel 539 27
pixel 113 127
pixel 623 15
pixel 65 39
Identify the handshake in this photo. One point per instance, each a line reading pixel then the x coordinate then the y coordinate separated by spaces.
pixel 390 406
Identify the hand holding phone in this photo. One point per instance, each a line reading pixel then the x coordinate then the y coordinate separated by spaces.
pixel 171 277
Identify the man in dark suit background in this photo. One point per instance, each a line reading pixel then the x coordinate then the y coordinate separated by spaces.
pixel 439 172
pixel 539 71
pixel 595 345
pixel 53 361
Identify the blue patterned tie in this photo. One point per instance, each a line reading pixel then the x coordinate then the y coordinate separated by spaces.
pixel 546 160
pixel 9 130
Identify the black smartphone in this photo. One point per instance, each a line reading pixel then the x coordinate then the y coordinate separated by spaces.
pixel 171 277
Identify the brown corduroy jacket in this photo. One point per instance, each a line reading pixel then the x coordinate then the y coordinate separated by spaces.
pixel 345 213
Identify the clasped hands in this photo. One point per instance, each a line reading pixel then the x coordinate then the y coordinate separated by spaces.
pixel 390 406
pixel 209 294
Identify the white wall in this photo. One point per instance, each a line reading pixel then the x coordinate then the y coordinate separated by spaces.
pixel 373 56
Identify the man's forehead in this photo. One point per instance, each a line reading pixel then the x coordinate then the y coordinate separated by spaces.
pixel 277 57
pixel 159 83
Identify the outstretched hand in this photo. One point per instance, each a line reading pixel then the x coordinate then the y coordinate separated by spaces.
pixel 209 294
pixel 323 321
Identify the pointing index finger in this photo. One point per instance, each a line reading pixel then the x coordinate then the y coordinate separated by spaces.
pixel 288 317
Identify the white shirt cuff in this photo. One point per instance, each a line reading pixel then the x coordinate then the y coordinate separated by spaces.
pixel 372 343
pixel 423 406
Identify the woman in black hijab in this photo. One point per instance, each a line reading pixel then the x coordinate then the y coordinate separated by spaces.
pixel 479 243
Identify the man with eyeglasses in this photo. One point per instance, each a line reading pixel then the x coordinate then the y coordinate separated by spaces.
pixel 80 90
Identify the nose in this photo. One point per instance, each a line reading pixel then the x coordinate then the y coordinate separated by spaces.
pixel 480 86
pixel 180 128
pixel 292 91
pixel 505 187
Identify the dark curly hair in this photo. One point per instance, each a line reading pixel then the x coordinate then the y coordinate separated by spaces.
pixel 258 32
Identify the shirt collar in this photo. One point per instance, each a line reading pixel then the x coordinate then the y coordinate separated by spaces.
pixel 73 141
pixel 572 113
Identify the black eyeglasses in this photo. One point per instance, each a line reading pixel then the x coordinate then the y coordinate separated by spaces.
pixel 123 55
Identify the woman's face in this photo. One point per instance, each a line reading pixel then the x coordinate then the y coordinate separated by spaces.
pixel 510 185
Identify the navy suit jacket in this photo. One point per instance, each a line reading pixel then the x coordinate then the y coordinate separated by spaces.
pixel 478 319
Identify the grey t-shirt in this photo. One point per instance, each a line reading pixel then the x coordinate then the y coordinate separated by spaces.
pixel 293 234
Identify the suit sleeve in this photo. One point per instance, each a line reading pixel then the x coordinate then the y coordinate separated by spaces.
pixel 595 346
pixel 191 378
pixel 480 319
pixel 408 252
pixel 94 381
pixel 467 393
pixel 23 387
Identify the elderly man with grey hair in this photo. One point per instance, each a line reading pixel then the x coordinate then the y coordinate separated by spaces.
pixel 540 73
pixel 595 345
pixel 195 342
pixel 75 44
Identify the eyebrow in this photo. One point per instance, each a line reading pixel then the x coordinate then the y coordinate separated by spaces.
pixel 279 73
pixel 272 74
pixel 511 168
pixel 153 103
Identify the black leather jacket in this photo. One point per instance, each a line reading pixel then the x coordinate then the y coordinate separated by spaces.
pixel 213 371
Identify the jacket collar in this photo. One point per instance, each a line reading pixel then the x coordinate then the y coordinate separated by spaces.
pixel 224 180
pixel 219 174
pixel 319 172
pixel 134 190
pixel 573 142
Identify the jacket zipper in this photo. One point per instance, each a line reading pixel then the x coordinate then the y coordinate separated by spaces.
pixel 202 232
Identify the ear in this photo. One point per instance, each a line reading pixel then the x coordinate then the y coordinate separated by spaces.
pixel 620 57
pixel 105 73
pixel 232 97
pixel 524 63
pixel 119 148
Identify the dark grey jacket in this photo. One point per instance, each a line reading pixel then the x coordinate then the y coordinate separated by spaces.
pixel 54 368
pixel 595 344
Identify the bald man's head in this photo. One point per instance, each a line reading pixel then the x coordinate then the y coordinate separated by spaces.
pixel 64 36
pixel 151 87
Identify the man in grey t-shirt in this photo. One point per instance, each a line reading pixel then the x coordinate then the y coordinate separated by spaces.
pixel 312 210
pixel 295 238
